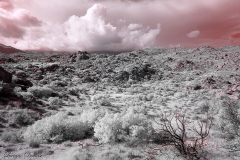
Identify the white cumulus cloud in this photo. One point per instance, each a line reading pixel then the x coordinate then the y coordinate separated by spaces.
pixel 193 34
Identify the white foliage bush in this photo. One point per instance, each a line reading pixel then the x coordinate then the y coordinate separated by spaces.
pixel 227 120
pixel 123 127
pixel 27 96
pixel 90 116
pixel 57 128
pixel 55 101
pixel 40 91
pixel 57 83
pixel 228 116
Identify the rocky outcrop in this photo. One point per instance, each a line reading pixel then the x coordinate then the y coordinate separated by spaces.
pixel 5 76
pixel 142 72
pixel 183 65
pixel 82 55
pixel 52 68
pixel 6 60
pixel 122 76
pixel 136 73
pixel 24 83
pixel 79 56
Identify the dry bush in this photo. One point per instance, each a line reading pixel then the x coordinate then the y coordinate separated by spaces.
pixel 177 129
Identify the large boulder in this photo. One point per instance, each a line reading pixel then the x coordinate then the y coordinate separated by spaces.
pixel 5 76
pixel 141 72
pixel 23 82
pixel 83 55
pixel 52 68
pixel 183 65
pixel 137 73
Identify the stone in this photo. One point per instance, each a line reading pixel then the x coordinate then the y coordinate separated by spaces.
pixel 24 83
pixel 5 76
pixel 52 68
pixel 82 55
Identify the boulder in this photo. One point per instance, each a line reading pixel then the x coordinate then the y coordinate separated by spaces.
pixel 82 55
pixel 52 68
pixel 183 65
pixel 141 72
pixel 122 76
pixel 5 76
pixel 7 60
pixel 24 83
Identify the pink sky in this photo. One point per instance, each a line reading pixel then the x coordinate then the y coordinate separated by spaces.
pixel 118 25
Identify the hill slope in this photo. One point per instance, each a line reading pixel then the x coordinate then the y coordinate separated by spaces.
pixel 9 50
pixel 105 98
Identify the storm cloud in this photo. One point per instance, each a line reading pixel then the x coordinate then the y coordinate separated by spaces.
pixel 118 25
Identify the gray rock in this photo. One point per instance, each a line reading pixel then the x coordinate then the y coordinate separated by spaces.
pixel 5 76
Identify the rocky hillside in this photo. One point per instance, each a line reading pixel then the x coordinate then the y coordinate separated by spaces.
pixel 36 86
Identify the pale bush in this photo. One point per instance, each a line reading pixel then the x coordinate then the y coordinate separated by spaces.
pixel 57 128
pixel 228 121
pixel 40 91
pixel 107 129
pixel 55 101
pixel 229 117
pixel 123 127
pixel 90 116
pixel 27 96
pixel 58 83
pixel 17 89
pixel 105 102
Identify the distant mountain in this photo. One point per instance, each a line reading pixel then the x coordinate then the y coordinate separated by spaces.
pixel 9 50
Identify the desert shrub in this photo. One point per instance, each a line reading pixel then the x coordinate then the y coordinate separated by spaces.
pixel 122 127
pixel 105 102
pixel 204 106
pixel 58 83
pixel 26 96
pixel 91 116
pixel 34 143
pixel 55 101
pixel 229 117
pixel 23 118
pixel 11 136
pixel 67 144
pixel 147 97
pixel 17 89
pixel 68 130
pixel 73 91
pixel 102 100
pixel 57 128
pixel 40 91
pixel 228 121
